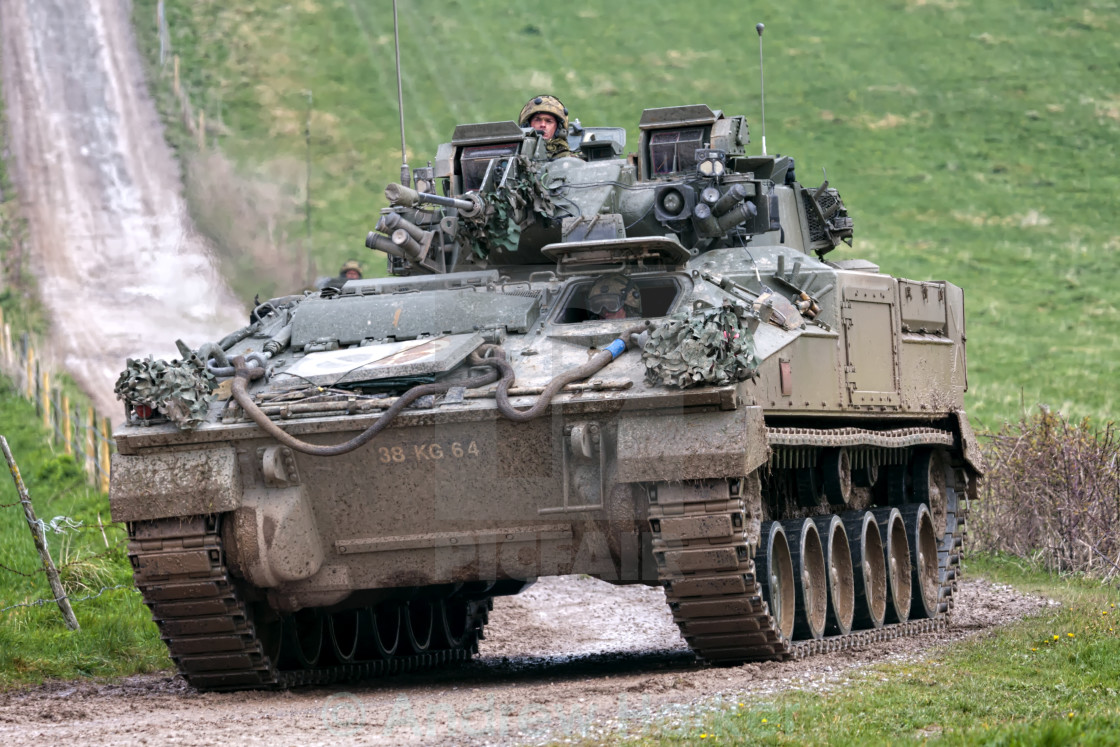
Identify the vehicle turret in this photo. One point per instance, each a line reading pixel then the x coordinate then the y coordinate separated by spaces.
pixel 495 198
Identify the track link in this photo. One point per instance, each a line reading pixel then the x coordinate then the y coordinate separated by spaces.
pixel 708 570
pixel 210 631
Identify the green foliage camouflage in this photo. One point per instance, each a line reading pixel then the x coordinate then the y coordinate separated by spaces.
pixel 707 346
pixel 509 208
pixel 180 390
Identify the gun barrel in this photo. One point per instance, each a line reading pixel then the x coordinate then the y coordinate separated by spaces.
pixel 383 244
pixel 402 196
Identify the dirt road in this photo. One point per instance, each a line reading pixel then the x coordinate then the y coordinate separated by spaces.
pixel 569 657
pixel 121 270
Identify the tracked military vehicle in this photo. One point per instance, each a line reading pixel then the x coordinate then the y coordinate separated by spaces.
pixel 644 367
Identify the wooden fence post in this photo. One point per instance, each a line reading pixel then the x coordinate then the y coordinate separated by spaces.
pixel 91 447
pixel 45 399
pixel 105 455
pixel 30 381
pixel 40 538
pixel 56 414
pixel 67 432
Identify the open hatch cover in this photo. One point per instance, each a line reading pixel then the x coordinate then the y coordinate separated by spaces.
pixel 643 250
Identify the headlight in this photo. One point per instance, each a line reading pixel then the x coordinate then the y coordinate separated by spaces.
pixel 672 202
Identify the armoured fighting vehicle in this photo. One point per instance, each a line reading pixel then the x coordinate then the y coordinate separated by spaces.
pixel 643 367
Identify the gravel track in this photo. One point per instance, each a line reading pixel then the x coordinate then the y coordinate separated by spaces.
pixel 570 656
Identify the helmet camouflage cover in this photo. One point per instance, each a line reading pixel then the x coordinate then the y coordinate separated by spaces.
pixel 613 292
pixel 350 265
pixel 545 104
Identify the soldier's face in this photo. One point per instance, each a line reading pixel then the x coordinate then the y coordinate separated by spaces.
pixel 544 124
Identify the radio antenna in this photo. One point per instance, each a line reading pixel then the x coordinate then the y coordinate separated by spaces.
pixel 405 171
pixel 761 83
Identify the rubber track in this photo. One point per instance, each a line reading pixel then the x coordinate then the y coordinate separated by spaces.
pixel 178 566
pixel 706 567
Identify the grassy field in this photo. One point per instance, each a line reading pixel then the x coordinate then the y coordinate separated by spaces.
pixel 117 636
pixel 971 141
pixel 1053 679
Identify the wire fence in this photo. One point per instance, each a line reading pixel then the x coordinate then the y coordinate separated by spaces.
pixel 78 571
pixel 74 427
pixel 73 600
pixel 83 566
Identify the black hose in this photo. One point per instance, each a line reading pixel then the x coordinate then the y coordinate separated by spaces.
pixel 213 351
pixel 243 374
pixel 233 338
pixel 501 396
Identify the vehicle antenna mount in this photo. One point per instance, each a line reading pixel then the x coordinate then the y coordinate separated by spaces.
pixel 761 84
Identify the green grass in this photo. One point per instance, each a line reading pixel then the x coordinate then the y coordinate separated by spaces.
pixel 117 636
pixel 1052 679
pixel 971 141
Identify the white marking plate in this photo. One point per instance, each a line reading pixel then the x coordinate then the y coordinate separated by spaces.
pixel 387 360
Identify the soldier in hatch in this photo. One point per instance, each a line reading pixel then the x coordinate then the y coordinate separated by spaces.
pixel 547 115
pixel 614 297
pixel 350 270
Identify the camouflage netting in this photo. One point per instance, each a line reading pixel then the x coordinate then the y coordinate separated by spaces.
pixel 509 209
pixel 707 346
pixel 180 390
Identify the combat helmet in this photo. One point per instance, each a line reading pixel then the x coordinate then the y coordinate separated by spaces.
pixel 545 104
pixel 351 264
pixel 610 293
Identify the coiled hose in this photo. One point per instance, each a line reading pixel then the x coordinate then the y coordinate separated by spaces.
pixel 214 365
pixel 593 365
pixel 485 355
pixel 243 374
